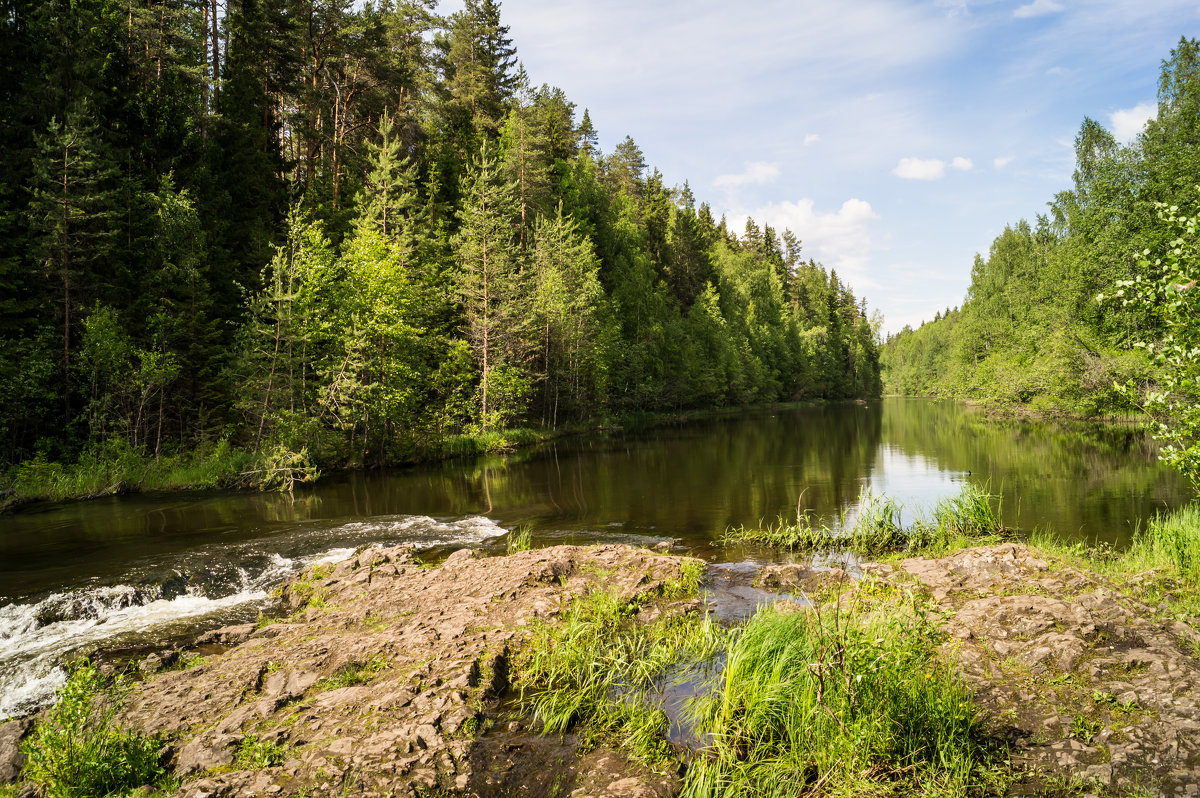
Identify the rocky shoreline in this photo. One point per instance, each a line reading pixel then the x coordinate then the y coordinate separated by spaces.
pixel 390 677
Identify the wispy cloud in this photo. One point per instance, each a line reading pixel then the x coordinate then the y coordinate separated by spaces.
pixel 1127 123
pixel 963 164
pixel 755 173
pixel 1002 161
pixel 1038 8
pixel 810 139
pixel 840 239
pixel 920 169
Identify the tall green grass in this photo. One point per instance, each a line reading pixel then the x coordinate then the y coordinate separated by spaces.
pixel 115 466
pixel 1170 541
pixel 876 526
pixel 78 751
pixel 597 666
pixel 837 703
pixel 519 539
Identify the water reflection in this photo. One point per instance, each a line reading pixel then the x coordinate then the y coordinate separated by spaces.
pixel 688 481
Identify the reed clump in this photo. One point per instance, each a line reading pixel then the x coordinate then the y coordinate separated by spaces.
pixel 875 527
pixel 853 700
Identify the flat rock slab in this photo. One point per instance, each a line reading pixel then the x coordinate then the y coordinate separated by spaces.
pixel 1076 675
pixel 376 684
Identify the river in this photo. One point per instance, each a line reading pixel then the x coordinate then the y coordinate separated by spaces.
pixel 134 570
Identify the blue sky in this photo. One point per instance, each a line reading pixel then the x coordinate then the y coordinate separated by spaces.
pixel 896 139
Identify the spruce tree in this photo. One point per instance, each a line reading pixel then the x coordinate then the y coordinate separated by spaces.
pixel 492 288
pixel 71 217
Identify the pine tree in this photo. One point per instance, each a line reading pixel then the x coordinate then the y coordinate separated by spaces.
pixel 390 197
pixel 567 303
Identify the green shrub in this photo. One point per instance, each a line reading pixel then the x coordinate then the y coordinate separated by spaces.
pixel 78 750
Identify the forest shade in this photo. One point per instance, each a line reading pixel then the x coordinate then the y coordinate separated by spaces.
pixel 351 232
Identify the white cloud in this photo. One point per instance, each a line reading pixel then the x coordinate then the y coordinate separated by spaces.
pixel 1002 161
pixel 755 173
pixel 918 169
pixel 965 164
pixel 841 239
pixel 1127 123
pixel 811 138
pixel 1037 8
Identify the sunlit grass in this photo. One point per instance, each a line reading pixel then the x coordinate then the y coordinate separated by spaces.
pixel 966 518
pixel 596 666
pixel 1161 565
pixel 858 701
pixel 520 539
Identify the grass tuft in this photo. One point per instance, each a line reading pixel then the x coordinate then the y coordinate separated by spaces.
pixel 354 673
pixel 255 753
pixel 963 519
pixel 597 666
pixel 520 539
pixel 837 703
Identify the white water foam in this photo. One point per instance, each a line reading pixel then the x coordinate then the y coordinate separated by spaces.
pixel 36 637
pixel 424 531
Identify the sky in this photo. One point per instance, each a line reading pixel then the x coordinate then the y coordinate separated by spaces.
pixel 896 139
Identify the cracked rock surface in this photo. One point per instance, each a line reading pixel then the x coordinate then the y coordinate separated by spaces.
pixel 1077 676
pixel 377 682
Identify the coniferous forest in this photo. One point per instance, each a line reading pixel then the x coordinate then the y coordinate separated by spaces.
pixel 322 233
pixel 1048 319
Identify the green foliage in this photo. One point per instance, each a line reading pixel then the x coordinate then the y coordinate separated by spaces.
pixel 457 260
pixel 519 539
pixel 841 703
pixel 596 666
pixel 78 751
pixel 255 753
pixel 1167 288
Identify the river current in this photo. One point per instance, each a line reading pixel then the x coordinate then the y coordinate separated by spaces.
pixel 130 571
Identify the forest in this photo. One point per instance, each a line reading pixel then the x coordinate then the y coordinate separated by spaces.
pixel 1086 308
pixel 301 234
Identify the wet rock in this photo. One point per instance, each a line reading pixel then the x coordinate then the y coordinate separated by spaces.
pixel 606 774
pixel 803 578
pixel 156 661
pixel 11 758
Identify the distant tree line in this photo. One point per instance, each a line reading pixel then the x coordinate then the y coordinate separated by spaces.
pixel 1032 328
pixel 352 230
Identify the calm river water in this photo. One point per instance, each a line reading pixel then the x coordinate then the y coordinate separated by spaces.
pixel 129 570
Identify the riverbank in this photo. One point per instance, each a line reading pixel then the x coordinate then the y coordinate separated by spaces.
pixel 1047 674
pixel 115 467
